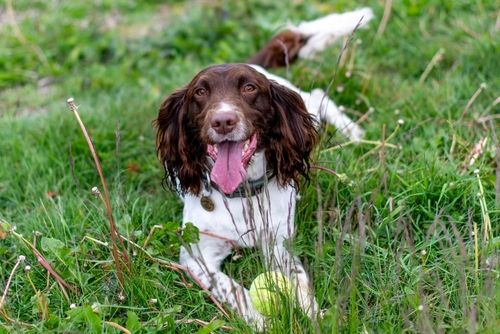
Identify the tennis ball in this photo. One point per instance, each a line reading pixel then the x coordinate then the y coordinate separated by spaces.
pixel 268 289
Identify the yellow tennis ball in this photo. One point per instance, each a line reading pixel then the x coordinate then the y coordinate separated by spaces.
pixel 268 290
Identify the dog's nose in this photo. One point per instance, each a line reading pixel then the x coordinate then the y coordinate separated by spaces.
pixel 224 123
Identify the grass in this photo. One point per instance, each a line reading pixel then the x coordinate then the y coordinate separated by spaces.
pixel 402 249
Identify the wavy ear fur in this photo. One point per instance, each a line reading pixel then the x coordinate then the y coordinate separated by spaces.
pixel 292 137
pixel 178 145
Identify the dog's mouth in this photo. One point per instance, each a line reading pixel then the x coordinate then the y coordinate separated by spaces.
pixel 230 162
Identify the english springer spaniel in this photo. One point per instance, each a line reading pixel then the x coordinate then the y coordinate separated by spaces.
pixel 234 143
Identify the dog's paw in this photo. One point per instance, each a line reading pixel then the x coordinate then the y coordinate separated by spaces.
pixel 255 319
pixel 306 299
pixel 333 115
pixel 354 132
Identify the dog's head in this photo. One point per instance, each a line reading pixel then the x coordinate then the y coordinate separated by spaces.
pixel 230 112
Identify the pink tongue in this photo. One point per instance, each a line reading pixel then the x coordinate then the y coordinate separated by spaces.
pixel 228 171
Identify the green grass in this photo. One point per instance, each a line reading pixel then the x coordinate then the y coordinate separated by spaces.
pixel 394 252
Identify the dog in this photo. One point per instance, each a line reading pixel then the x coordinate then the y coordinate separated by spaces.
pixel 235 143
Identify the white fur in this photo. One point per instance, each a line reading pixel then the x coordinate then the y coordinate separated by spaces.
pixel 265 221
pixel 326 30
pixel 225 107
pixel 320 106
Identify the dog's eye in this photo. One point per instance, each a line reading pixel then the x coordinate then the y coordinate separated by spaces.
pixel 249 88
pixel 200 92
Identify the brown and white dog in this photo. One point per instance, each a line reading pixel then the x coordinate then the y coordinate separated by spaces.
pixel 252 138
pixel 234 142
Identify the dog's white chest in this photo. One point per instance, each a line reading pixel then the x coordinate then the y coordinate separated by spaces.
pixel 242 220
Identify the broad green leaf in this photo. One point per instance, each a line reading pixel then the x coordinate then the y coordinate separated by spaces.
pixel 83 315
pixel 133 324
pixel 51 244
pixel 211 327
pixel 190 234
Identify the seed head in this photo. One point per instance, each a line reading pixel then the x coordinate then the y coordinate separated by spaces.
pixel 95 192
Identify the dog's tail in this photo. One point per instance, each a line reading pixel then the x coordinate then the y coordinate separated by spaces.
pixel 308 38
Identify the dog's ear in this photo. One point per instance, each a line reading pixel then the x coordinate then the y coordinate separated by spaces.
pixel 178 147
pixel 292 136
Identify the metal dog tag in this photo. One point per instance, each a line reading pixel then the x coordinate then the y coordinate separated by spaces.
pixel 207 203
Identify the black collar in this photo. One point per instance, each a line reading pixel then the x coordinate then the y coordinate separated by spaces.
pixel 245 189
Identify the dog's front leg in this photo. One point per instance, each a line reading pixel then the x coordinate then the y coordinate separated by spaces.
pixel 204 260
pixel 278 258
